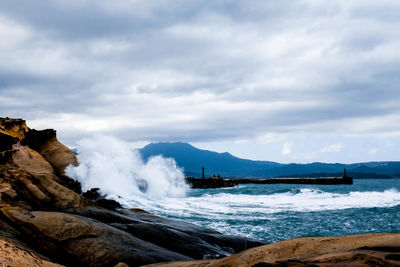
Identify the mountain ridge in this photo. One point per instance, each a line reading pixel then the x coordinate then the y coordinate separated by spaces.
pixel 191 159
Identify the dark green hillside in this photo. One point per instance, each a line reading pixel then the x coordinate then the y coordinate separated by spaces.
pixel 191 159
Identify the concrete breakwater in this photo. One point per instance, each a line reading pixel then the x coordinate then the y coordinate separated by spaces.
pixel 303 180
pixel 219 182
pixel 210 182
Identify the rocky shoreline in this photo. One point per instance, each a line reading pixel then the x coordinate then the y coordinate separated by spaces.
pixel 46 220
pixel 43 211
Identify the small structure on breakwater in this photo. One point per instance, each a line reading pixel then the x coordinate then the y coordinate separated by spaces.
pixel 210 182
pixel 217 182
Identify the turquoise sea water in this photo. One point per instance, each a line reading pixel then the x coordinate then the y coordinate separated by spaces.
pixel 276 212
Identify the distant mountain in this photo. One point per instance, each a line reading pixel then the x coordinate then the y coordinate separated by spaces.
pixel 191 159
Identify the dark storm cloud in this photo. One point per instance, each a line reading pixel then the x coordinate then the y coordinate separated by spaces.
pixel 201 71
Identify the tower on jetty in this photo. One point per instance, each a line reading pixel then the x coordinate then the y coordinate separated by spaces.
pixel 202 173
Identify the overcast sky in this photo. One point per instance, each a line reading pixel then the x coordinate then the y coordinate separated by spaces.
pixel 287 81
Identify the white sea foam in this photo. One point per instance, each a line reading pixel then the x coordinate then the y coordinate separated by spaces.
pixel 253 215
pixel 249 207
pixel 109 164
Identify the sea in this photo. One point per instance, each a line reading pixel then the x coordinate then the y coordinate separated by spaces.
pixel 274 212
pixel 269 212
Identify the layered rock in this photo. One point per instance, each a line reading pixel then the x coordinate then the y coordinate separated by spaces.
pixel 81 241
pixel 356 250
pixel 42 211
pixel 47 144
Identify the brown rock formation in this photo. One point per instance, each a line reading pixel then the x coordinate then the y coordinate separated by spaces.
pixel 87 242
pixel 40 213
pixel 46 143
pixel 356 250
pixel 32 161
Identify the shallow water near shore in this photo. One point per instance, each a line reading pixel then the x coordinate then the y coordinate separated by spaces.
pixel 276 212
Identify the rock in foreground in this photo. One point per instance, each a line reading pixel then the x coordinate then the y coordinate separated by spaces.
pixel 356 250
pixel 11 255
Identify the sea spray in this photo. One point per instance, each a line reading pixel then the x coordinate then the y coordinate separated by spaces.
pixel 109 164
pixel 264 212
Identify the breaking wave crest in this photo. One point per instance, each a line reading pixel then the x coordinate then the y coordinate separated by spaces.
pixel 109 164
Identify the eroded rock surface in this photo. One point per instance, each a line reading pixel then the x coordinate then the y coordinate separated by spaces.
pixel 356 250
pixel 81 241
pixel 42 211
pixel 13 127
pixel 47 144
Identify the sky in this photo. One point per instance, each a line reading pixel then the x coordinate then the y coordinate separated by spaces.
pixel 287 81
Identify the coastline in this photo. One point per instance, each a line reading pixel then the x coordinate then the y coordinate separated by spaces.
pixel 43 213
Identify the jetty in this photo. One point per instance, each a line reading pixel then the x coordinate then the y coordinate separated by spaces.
pixel 216 181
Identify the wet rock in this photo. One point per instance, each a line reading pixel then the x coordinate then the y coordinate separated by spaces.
pixel 92 194
pixel 185 238
pixel 70 184
pixel 108 204
pixel 101 200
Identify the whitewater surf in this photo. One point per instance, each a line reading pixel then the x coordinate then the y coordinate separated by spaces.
pixel 264 212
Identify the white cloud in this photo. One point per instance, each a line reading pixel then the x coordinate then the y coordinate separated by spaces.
pixel 269 138
pixel 286 148
pixel 241 141
pixel 12 34
pixel 373 151
pixel 333 148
